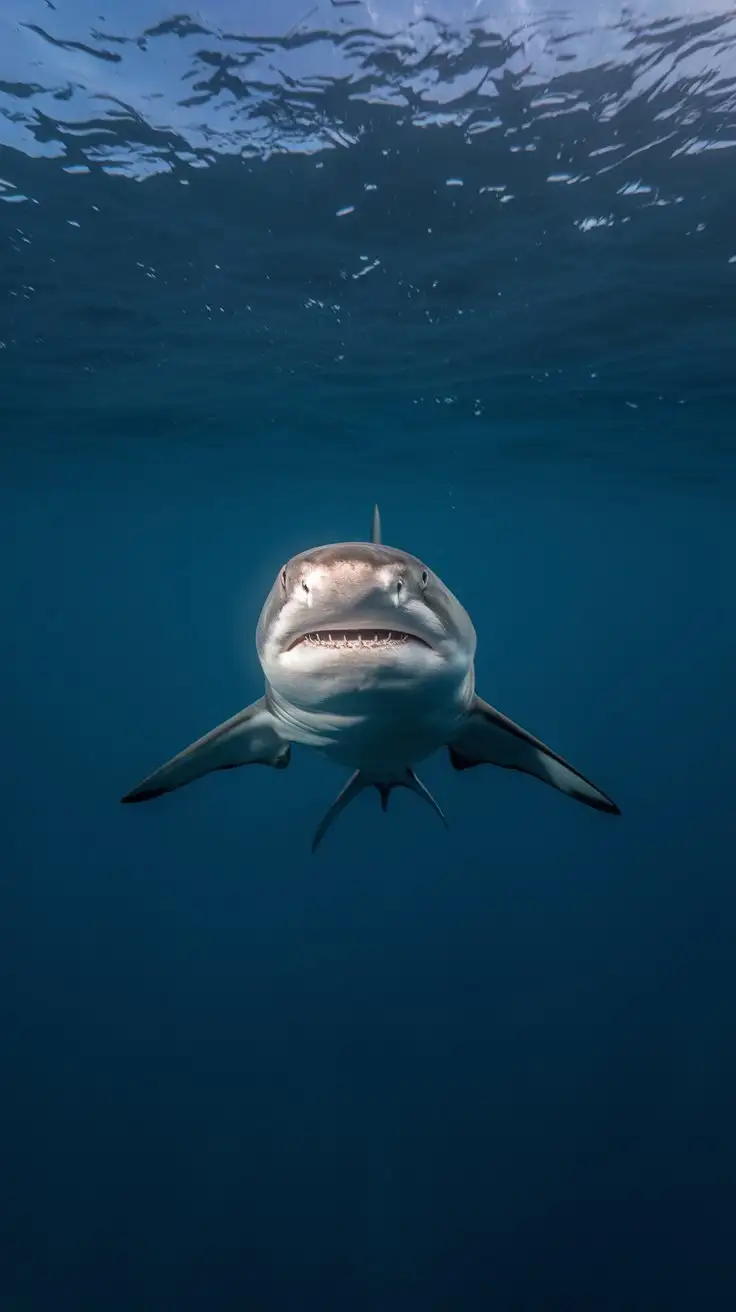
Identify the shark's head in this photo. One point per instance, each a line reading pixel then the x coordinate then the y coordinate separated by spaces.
pixel 359 616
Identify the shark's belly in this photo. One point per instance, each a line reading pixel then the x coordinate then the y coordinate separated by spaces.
pixel 381 746
pixel 382 737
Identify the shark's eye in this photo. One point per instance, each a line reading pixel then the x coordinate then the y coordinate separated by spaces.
pixel 283 578
pixel 424 579
pixel 305 586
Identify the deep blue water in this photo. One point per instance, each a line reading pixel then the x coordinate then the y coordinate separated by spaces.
pixel 259 266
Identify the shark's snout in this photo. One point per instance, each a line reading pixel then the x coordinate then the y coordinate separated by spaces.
pixel 337 599
pixel 344 618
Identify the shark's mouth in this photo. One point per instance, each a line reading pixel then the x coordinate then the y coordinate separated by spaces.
pixel 358 639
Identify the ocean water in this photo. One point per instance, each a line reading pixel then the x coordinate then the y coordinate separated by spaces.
pixel 262 264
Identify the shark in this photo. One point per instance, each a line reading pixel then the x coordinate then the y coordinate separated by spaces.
pixel 369 659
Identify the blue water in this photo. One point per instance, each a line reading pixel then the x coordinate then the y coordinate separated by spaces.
pixel 259 266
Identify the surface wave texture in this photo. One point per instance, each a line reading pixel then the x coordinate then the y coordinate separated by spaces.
pixel 261 265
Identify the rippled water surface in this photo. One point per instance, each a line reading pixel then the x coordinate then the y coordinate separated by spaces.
pixel 260 264
pixel 494 210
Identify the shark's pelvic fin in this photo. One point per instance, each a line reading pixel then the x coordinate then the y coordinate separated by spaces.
pixel 357 783
pixel 354 785
pixel 248 738
pixel 489 738
pixel 376 526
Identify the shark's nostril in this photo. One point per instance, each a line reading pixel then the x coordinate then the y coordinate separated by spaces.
pixel 305 586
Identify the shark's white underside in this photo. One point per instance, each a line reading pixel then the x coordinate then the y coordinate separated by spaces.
pixel 369 660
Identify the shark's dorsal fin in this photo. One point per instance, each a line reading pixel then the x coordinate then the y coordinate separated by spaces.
pixel 357 782
pixel 376 526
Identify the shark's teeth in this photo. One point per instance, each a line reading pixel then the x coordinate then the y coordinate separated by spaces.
pixel 377 639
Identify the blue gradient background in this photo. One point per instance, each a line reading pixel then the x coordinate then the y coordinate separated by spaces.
pixel 487 1068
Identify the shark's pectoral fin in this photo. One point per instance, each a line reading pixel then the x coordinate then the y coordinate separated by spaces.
pixel 250 738
pixel 489 738
pixel 357 782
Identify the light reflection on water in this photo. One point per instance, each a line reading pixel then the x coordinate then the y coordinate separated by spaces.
pixel 481 216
